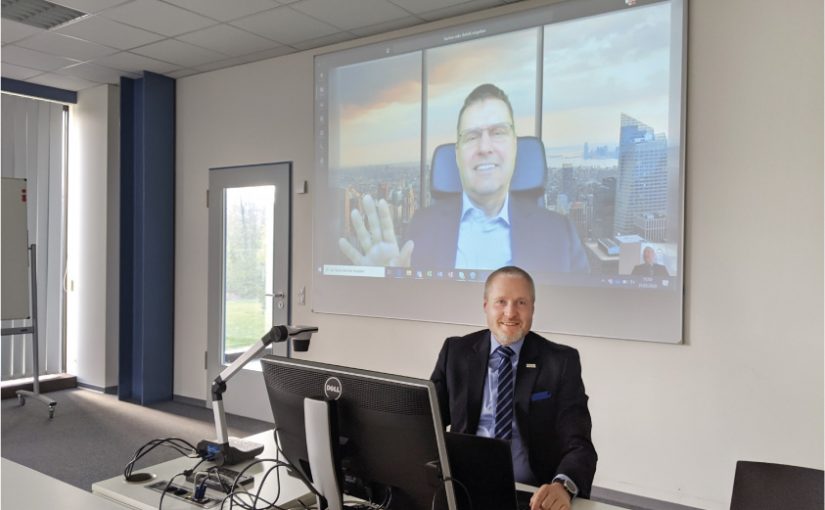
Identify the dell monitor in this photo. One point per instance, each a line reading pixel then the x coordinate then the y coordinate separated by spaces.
pixel 386 436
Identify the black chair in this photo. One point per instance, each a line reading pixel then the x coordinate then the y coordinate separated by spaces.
pixel 528 177
pixel 766 486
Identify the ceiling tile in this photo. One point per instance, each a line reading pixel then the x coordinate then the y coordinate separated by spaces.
pixel 178 52
pixel 91 6
pixel 285 25
pixel 267 54
pixel 418 6
pixel 462 8
pixel 387 26
pixel 62 81
pixel 13 31
pixel 111 33
pixel 36 60
pixel 228 40
pixel 323 41
pixel 182 73
pixel 351 14
pixel 66 46
pixel 18 72
pixel 224 10
pixel 132 63
pixel 221 64
pixel 157 17
pixel 99 74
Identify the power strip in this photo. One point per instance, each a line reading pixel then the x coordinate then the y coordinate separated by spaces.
pixel 182 493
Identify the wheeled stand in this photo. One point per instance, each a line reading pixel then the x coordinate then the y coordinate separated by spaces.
pixel 32 330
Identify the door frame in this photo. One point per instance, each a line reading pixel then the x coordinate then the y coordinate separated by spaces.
pixel 248 400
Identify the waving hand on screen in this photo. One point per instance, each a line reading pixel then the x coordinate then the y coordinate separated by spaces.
pixel 378 243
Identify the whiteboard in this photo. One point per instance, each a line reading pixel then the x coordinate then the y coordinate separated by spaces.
pixel 14 264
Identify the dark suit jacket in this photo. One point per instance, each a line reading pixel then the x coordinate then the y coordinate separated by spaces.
pixel 541 241
pixel 550 402
pixel 656 270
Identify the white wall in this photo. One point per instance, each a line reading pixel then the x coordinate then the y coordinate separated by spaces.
pixel 92 235
pixel 669 421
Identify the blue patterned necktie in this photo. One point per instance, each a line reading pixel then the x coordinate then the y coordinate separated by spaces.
pixel 504 401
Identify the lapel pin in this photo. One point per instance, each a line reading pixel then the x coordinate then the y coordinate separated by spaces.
pixel 530 365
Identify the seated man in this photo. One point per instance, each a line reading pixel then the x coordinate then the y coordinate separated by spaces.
pixel 650 267
pixel 485 227
pixel 510 383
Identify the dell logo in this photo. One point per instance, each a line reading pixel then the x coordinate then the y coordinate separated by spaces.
pixel 333 388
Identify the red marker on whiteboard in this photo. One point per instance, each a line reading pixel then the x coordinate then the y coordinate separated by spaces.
pixel 23 195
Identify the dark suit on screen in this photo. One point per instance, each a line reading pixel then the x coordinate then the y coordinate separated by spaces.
pixel 541 241
pixel 654 270
pixel 550 402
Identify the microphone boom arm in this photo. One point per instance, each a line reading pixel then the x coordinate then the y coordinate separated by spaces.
pixel 226 450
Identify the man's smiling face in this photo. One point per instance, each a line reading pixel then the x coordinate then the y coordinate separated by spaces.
pixel 509 305
pixel 486 151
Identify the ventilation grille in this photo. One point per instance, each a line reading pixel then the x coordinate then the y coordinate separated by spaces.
pixel 38 13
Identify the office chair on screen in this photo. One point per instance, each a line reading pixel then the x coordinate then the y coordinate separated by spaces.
pixel 766 486
pixel 529 175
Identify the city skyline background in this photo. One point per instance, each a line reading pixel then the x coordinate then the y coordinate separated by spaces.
pixel 593 70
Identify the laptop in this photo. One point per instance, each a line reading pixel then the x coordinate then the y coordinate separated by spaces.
pixel 482 469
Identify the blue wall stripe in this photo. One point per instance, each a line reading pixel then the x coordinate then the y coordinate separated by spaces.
pixel 25 88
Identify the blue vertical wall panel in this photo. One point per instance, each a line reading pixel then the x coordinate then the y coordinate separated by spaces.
pixel 147 238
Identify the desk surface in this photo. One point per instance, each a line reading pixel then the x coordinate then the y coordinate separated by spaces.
pixel 23 487
pixel 137 496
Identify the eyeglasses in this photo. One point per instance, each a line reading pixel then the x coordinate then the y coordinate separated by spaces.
pixel 497 132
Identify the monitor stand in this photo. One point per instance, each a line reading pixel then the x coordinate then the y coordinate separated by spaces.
pixel 322 442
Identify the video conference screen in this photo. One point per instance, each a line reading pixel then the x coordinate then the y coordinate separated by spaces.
pixel 551 139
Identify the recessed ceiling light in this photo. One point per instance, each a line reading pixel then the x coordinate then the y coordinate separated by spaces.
pixel 38 13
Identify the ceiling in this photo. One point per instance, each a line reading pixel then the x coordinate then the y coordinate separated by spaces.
pixel 180 38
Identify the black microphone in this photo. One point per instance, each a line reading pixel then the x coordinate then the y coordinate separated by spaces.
pixel 276 334
pixel 300 336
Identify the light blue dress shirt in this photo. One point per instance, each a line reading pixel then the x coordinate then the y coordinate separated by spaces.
pixel 483 243
pixel 486 422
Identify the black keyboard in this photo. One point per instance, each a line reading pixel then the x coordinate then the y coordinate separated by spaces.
pixel 220 479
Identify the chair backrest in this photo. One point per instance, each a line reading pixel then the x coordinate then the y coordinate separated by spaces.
pixel 528 177
pixel 766 486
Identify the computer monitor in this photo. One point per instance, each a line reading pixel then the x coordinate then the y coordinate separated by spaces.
pixel 387 435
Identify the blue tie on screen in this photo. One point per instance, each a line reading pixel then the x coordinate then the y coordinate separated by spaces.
pixel 504 402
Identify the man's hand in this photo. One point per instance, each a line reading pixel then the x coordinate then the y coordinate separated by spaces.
pixel 379 245
pixel 550 496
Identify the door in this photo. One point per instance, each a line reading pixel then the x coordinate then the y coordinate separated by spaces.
pixel 249 250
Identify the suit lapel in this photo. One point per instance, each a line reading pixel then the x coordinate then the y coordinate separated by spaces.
pixel 526 373
pixel 475 380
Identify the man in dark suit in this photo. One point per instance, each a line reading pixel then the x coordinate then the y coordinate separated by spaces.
pixel 650 267
pixel 538 402
pixel 485 227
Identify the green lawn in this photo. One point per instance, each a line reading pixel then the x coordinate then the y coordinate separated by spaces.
pixel 244 323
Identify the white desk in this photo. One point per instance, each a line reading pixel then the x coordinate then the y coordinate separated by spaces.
pixel 24 488
pixel 137 496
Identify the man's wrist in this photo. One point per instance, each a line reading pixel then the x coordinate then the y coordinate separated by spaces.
pixel 567 484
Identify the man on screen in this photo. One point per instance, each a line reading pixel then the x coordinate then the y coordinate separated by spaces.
pixel 510 383
pixel 650 267
pixel 486 227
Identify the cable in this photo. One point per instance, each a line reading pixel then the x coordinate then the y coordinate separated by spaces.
pixel 181 446
pixel 444 487
pixel 166 489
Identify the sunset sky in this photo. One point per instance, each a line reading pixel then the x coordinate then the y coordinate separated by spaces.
pixel 593 70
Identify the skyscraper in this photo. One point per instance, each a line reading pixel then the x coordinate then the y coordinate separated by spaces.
pixel 642 185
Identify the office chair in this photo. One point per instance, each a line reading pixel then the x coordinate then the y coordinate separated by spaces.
pixel 529 175
pixel 766 486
